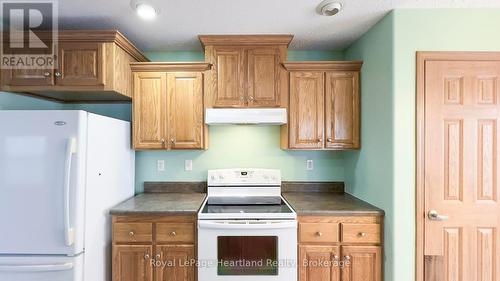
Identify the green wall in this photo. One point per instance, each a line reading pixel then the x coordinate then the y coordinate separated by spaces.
pixel 369 172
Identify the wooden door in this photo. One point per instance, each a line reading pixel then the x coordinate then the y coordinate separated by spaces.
pixel 132 263
pixel 342 110
pixel 319 263
pixel 28 77
pixel 80 64
pixel 306 110
pixel 263 77
pixel 150 110
pixel 178 259
pixel 185 103
pixel 362 263
pixel 461 170
pixel 229 77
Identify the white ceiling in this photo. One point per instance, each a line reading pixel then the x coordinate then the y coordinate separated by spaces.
pixel 180 21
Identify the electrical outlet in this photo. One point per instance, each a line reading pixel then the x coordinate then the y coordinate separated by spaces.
pixel 188 165
pixel 160 165
pixel 309 165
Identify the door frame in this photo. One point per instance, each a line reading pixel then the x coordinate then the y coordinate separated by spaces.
pixel 421 59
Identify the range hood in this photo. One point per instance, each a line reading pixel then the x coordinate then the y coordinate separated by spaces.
pixel 258 116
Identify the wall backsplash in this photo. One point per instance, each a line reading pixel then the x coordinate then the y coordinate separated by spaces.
pixel 231 146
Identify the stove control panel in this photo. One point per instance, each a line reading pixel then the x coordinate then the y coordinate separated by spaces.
pixel 237 177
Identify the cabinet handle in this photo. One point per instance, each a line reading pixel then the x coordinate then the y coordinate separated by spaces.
pixel 173 233
pixel 131 233
pixel 46 74
pixel 362 234
pixel 57 74
pixel 146 256
pixel 319 233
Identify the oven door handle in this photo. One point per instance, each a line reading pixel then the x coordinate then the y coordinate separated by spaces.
pixel 244 225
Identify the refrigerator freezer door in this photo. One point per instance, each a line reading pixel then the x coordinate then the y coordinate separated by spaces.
pixel 41 268
pixel 42 182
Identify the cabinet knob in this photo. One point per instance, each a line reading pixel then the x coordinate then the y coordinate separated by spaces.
pixel 173 233
pixel 320 139
pixel 57 74
pixel 335 257
pixel 362 234
pixel 131 233
pixel 319 233
pixel 329 140
pixel 172 140
pixel 250 98
pixel 162 140
pixel 347 258
pixel 46 74
pixel 146 256
pixel 158 256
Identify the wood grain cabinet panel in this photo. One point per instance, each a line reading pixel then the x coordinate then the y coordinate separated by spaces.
pixel 263 77
pixel 364 263
pixel 133 232
pixel 178 260
pixel 229 77
pixel 29 77
pixel 319 263
pixel 318 232
pixel 132 263
pixel 149 110
pixel 185 110
pixel 175 232
pixel 81 64
pixel 361 233
pixel 306 110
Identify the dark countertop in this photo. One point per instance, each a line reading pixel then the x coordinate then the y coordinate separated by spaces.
pixel 160 204
pixel 330 203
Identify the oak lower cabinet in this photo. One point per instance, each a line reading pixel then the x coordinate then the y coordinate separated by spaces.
pixel 340 248
pixel 247 70
pixel 90 66
pixel 154 248
pixel 324 106
pixel 168 106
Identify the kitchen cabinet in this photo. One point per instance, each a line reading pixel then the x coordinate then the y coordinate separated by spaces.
pixel 154 248
pixel 168 106
pixel 347 248
pixel 324 106
pixel 91 67
pixel 132 263
pixel 247 70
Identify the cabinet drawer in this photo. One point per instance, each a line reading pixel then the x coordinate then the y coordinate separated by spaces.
pixel 361 233
pixel 175 232
pixel 133 232
pixel 319 232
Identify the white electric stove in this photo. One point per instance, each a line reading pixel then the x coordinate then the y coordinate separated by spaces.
pixel 246 230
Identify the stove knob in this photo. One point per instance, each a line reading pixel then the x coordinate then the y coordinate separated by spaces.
pixel 212 177
pixel 221 177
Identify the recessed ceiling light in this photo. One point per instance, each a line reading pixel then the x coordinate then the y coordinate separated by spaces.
pixel 144 9
pixel 329 8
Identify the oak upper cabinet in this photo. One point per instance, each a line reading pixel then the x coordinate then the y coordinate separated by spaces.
pixel 132 263
pixel 247 70
pixel 318 263
pixel 365 263
pixel 324 106
pixel 168 106
pixel 90 66
pixel 306 116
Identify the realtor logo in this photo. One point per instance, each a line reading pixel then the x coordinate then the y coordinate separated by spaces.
pixel 29 34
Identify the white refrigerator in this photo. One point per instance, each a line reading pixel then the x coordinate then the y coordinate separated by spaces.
pixel 60 172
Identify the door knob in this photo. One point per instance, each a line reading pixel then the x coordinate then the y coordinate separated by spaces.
pixel 435 216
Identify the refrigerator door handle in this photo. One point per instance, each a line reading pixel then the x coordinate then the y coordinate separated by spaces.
pixel 68 230
pixel 36 267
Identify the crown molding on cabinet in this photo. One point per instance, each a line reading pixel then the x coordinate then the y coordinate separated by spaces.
pixel 170 66
pixel 232 40
pixel 323 65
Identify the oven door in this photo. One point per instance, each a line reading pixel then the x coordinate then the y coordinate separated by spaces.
pixel 230 250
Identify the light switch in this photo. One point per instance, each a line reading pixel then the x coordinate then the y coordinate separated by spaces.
pixel 160 165
pixel 309 165
pixel 188 165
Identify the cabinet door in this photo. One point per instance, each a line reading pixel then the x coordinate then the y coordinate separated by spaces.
pixel 28 77
pixel 185 99
pixel 229 77
pixel 176 260
pixel 364 263
pixel 149 109
pixel 342 110
pixel 306 110
pixel 80 64
pixel 319 263
pixel 132 263
pixel 263 77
